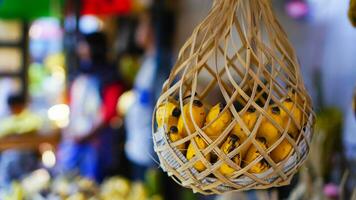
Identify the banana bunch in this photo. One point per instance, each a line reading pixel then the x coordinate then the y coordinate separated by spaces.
pixel 252 154
pixel 199 165
pixel 231 143
pixel 218 121
pixel 167 114
pixel 198 113
pixel 179 122
pixel 271 134
pixel 292 111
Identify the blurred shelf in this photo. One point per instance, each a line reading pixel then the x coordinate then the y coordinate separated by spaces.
pixel 9 74
pixel 11 44
pixel 29 141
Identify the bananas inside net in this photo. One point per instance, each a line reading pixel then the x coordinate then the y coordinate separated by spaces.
pixel 234 113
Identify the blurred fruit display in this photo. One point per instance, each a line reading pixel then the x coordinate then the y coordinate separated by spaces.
pixel 39 185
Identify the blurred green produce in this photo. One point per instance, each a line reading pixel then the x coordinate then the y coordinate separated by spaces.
pixel 128 68
pixel 328 132
pixel 78 188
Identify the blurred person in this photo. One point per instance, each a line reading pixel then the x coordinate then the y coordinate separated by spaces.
pixel 21 119
pixel 155 33
pixel 139 146
pixel 138 118
pixel 14 163
pixel 89 142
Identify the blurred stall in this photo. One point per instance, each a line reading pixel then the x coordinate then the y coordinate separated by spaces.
pixel 52 96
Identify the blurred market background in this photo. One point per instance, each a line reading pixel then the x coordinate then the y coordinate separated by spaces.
pixel 71 71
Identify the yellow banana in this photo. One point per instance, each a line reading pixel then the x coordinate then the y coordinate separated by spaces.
pixel 191 153
pixel 296 113
pixel 167 114
pixel 231 143
pixel 198 113
pixel 253 154
pixel 175 136
pixel 249 118
pixel 220 124
pixel 268 130
pixel 281 151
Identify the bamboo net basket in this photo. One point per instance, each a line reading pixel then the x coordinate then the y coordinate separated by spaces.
pixel 239 53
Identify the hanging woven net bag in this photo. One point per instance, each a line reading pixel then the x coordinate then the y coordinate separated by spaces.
pixel 234 113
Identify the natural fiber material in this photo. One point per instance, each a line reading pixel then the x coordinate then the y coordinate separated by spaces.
pixel 238 55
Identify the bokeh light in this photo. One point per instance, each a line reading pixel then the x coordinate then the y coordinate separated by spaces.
pixel 59 114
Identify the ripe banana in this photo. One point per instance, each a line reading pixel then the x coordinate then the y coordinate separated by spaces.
pixel 296 113
pixel 198 113
pixel 175 136
pixel 167 114
pixel 219 125
pixel 231 143
pixel 268 130
pixel 253 154
pixel 191 153
pixel 281 151
pixel 249 118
